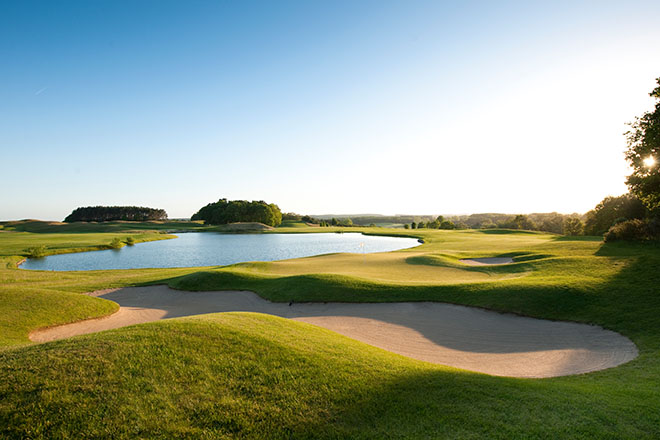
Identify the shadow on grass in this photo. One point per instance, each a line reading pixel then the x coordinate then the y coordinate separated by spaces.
pixel 459 405
pixel 508 231
pixel 577 238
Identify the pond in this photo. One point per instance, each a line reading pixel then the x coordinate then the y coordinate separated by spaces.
pixel 213 249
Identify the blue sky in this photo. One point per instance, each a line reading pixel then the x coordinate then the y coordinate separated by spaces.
pixel 320 107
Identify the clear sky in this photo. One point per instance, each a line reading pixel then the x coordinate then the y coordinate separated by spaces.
pixel 320 106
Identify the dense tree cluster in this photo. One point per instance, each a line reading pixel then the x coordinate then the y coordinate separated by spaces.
pixel 612 210
pixel 554 222
pixel 367 219
pixel 547 222
pixel 110 213
pixel 291 216
pixel 340 222
pixel 438 223
pixel 226 211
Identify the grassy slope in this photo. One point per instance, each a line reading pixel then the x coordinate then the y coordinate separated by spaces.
pixel 244 375
pixel 18 243
pixel 38 226
pixel 253 376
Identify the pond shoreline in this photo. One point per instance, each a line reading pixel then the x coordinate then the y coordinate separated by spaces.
pixel 196 249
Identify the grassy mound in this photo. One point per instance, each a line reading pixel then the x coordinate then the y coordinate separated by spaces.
pixel 297 224
pixel 241 375
pixel 243 227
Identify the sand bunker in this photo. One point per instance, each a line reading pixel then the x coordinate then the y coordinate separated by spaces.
pixel 463 337
pixel 487 261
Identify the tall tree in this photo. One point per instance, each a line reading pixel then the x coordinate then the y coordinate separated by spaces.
pixel 643 154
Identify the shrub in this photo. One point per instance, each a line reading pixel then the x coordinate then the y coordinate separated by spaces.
pixel 116 243
pixel 406 226
pixel 447 224
pixel 130 241
pixel 630 230
pixel 37 252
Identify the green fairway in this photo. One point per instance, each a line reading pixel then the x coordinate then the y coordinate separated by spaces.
pixel 244 375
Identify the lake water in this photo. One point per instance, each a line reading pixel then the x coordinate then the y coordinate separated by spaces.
pixel 212 249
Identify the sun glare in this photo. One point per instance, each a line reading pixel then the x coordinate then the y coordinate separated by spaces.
pixel 649 161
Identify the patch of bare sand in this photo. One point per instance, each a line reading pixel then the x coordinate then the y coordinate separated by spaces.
pixel 464 337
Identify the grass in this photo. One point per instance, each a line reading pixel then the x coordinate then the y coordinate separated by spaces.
pixel 253 376
pixel 22 243
pixel 390 267
pixel 38 226
pixel 294 224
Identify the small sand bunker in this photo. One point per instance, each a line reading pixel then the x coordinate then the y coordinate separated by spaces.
pixel 487 261
pixel 464 337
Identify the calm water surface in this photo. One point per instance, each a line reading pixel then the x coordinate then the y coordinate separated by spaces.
pixel 212 249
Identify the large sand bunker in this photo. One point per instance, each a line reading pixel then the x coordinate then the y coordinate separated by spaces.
pixel 463 337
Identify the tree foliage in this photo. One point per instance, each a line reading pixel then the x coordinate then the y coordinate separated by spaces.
pixel 37 251
pixel 111 213
pixel 522 221
pixel 573 226
pixel 644 142
pixel 226 211
pixel 612 210
pixel 555 222
pixel 291 216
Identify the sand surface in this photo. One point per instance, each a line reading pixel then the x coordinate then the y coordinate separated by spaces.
pixel 487 261
pixel 463 337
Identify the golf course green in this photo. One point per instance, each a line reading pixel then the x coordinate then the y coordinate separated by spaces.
pixel 251 375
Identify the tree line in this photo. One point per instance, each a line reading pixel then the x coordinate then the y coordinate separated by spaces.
pixel 226 211
pixel 111 213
